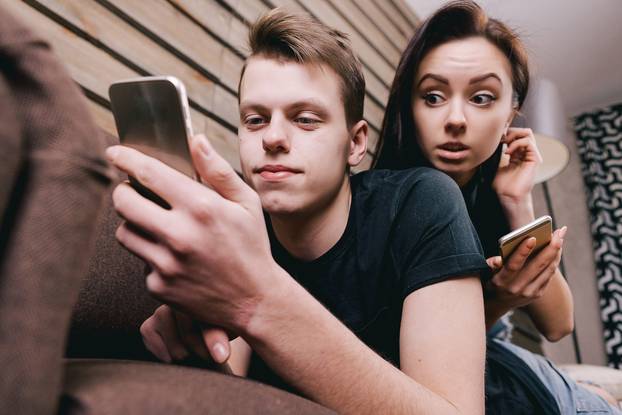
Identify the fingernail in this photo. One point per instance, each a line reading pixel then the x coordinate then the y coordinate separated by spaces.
pixel 531 243
pixel 111 152
pixel 220 353
pixel 562 232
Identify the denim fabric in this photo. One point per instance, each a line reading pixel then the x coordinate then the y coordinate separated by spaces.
pixel 571 397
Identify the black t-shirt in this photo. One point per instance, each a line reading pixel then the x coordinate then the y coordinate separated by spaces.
pixel 406 230
pixel 512 388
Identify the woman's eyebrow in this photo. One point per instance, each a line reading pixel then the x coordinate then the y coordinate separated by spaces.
pixel 439 78
pixel 484 77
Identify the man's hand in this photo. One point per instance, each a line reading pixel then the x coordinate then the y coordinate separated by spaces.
pixel 173 336
pixel 210 252
pixel 520 280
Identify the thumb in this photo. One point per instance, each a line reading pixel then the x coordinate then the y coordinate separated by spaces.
pixel 217 342
pixel 216 172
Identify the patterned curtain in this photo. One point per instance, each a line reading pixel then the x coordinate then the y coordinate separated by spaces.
pixel 599 136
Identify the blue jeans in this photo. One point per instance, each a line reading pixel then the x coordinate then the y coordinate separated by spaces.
pixel 571 397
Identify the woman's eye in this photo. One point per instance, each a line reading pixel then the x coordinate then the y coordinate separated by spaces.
pixel 483 99
pixel 433 99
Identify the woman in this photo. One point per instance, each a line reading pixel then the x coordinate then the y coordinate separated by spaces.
pixel 459 84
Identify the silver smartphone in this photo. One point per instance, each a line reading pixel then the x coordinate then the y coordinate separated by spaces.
pixel 541 229
pixel 152 115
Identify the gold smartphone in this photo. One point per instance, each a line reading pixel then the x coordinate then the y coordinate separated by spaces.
pixel 152 115
pixel 541 229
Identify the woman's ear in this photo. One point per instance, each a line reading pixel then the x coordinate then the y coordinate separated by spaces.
pixel 509 120
pixel 358 143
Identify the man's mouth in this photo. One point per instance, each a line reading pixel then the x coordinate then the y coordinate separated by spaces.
pixel 276 172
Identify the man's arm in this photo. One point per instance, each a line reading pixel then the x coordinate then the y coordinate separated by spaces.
pixel 442 341
pixel 442 348
pixel 251 296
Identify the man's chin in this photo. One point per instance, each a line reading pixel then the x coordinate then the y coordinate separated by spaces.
pixel 278 205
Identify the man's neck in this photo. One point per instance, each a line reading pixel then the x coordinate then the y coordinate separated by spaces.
pixel 310 235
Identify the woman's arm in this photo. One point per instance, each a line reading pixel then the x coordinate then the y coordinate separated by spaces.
pixel 536 283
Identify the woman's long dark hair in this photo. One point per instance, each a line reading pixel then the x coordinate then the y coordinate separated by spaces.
pixel 397 147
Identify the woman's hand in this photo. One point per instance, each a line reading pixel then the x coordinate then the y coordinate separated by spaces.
pixel 517 169
pixel 516 175
pixel 522 279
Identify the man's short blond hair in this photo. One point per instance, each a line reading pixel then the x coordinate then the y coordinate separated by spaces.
pixel 285 36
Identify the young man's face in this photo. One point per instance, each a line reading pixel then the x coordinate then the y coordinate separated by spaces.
pixel 294 141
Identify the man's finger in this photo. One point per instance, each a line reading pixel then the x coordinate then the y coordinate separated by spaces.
pixel 168 183
pixel 142 246
pixel 216 172
pixel 217 342
pixel 190 335
pixel 139 211
pixel 153 341
pixel 164 325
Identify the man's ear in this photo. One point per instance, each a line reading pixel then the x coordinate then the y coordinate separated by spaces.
pixel 358 143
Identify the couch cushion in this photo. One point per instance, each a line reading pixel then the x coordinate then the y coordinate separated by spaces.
pixel 101 387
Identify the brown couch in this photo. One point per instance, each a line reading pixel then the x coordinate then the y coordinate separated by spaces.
pixel 57 235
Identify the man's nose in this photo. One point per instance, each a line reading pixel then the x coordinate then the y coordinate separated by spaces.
pixel 276 136
pixel 455 124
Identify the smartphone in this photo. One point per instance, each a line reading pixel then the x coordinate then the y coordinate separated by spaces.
pixel 152 115
pixel 541 229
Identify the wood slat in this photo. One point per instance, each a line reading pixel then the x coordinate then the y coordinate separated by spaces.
pixel 375 87
pixel 250 10
pixel 95 70
pixel 384 23
pixel 103 117
pixel 406 11
pixel 218 20
pixel 376 63
pixel 123 39
pixel 200 11
pixel 171 26
pixel 368 30
pixel 396 17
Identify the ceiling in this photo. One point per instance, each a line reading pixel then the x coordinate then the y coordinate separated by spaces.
pixel 576 44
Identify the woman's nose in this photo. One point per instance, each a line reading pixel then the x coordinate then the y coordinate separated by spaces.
pixel 455 124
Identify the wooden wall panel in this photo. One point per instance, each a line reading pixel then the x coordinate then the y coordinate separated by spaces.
pixel 203 42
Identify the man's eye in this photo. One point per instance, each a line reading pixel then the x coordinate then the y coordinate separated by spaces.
pixel 307 120
pixel 254 121
pixel 483 99
pixel 433 99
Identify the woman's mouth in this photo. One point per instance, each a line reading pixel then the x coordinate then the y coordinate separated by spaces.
pixel 452 151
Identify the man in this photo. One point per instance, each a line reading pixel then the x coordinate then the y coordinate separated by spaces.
pixel 345 271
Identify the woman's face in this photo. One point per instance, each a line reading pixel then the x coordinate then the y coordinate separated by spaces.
pixel 462 105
